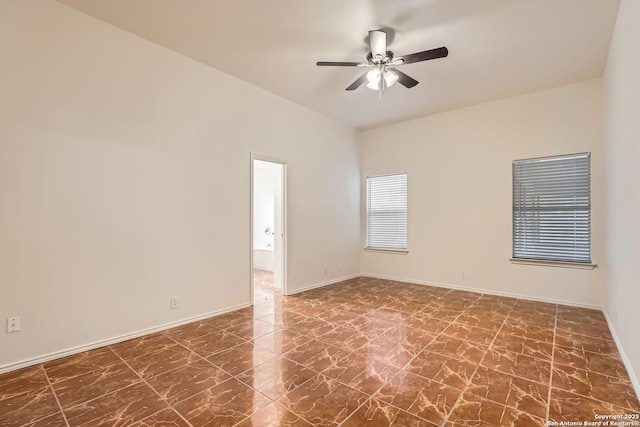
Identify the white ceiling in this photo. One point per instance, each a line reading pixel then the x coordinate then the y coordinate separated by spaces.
pixel 497 48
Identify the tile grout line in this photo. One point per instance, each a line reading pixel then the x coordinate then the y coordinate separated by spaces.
pixel 55 395
pixel 312 338
pixel 310 379
pixel 437 335
pixel 368 396
pixel 453 407
pixel 382 386
pixel 551 358
pixel 446 417
pixel 91 372
pixel 271 401
pixel 320 373
pixel 154 390
pixel 519 376
pixel 404 367
pixel 553 353
pixel 177 343
pixel 592 397
pixel 205 359
pixel 371 396
pixel 479 362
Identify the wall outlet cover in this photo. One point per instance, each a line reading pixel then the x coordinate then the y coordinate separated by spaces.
pixel 13 324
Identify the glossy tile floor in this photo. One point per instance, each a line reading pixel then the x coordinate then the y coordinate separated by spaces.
pixel 364 352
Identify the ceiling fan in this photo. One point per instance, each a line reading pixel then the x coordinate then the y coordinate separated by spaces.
pixel 382 63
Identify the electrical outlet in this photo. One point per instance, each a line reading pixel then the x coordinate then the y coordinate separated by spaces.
pixel 339 268
pixel 173 302
pixel 463 275
pixel 13 324
pixel 326 271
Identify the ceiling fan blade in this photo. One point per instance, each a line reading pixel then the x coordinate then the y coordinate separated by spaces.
pixel 426 55
pixel 355 85
pixel 338 64
pixel 405 80
pixel 378 40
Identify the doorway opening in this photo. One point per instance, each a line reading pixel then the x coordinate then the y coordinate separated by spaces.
pixel 268 214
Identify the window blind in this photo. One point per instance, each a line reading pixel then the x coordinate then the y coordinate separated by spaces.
pixel 552 208
pixel 386 212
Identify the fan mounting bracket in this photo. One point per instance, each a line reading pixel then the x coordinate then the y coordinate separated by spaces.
pixel 386 60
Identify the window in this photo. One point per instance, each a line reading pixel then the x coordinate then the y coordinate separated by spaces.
pixel 387 212
pixel 552 208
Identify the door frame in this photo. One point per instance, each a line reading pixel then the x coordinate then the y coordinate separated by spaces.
pixel 283 266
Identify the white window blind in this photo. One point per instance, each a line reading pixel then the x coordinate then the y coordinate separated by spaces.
pixel 552 208
pixel 386 213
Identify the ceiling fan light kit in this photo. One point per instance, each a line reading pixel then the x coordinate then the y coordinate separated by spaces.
pixel 380 60
pixel 374 76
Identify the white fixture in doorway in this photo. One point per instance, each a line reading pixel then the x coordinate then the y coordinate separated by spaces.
pixel 268 218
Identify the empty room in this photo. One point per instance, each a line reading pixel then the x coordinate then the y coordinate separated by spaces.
pixel 319 213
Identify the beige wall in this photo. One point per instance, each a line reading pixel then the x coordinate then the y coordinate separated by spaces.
pixel 459 167
pixel 125 179
pixel 622 124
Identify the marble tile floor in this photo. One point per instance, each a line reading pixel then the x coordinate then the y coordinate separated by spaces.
pixel 364 352
pixel 263 281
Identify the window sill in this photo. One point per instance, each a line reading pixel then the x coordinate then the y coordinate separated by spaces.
pixel 390 251
pixel 549 263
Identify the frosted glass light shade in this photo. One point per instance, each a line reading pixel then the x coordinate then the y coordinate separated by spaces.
pixel 373 76
pixel 373 85
pixel 390 78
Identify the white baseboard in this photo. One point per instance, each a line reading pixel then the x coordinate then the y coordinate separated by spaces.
pixel 321 284
pixel 486 291
pixel 113 340
pixel 101 343
pixel 627 363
